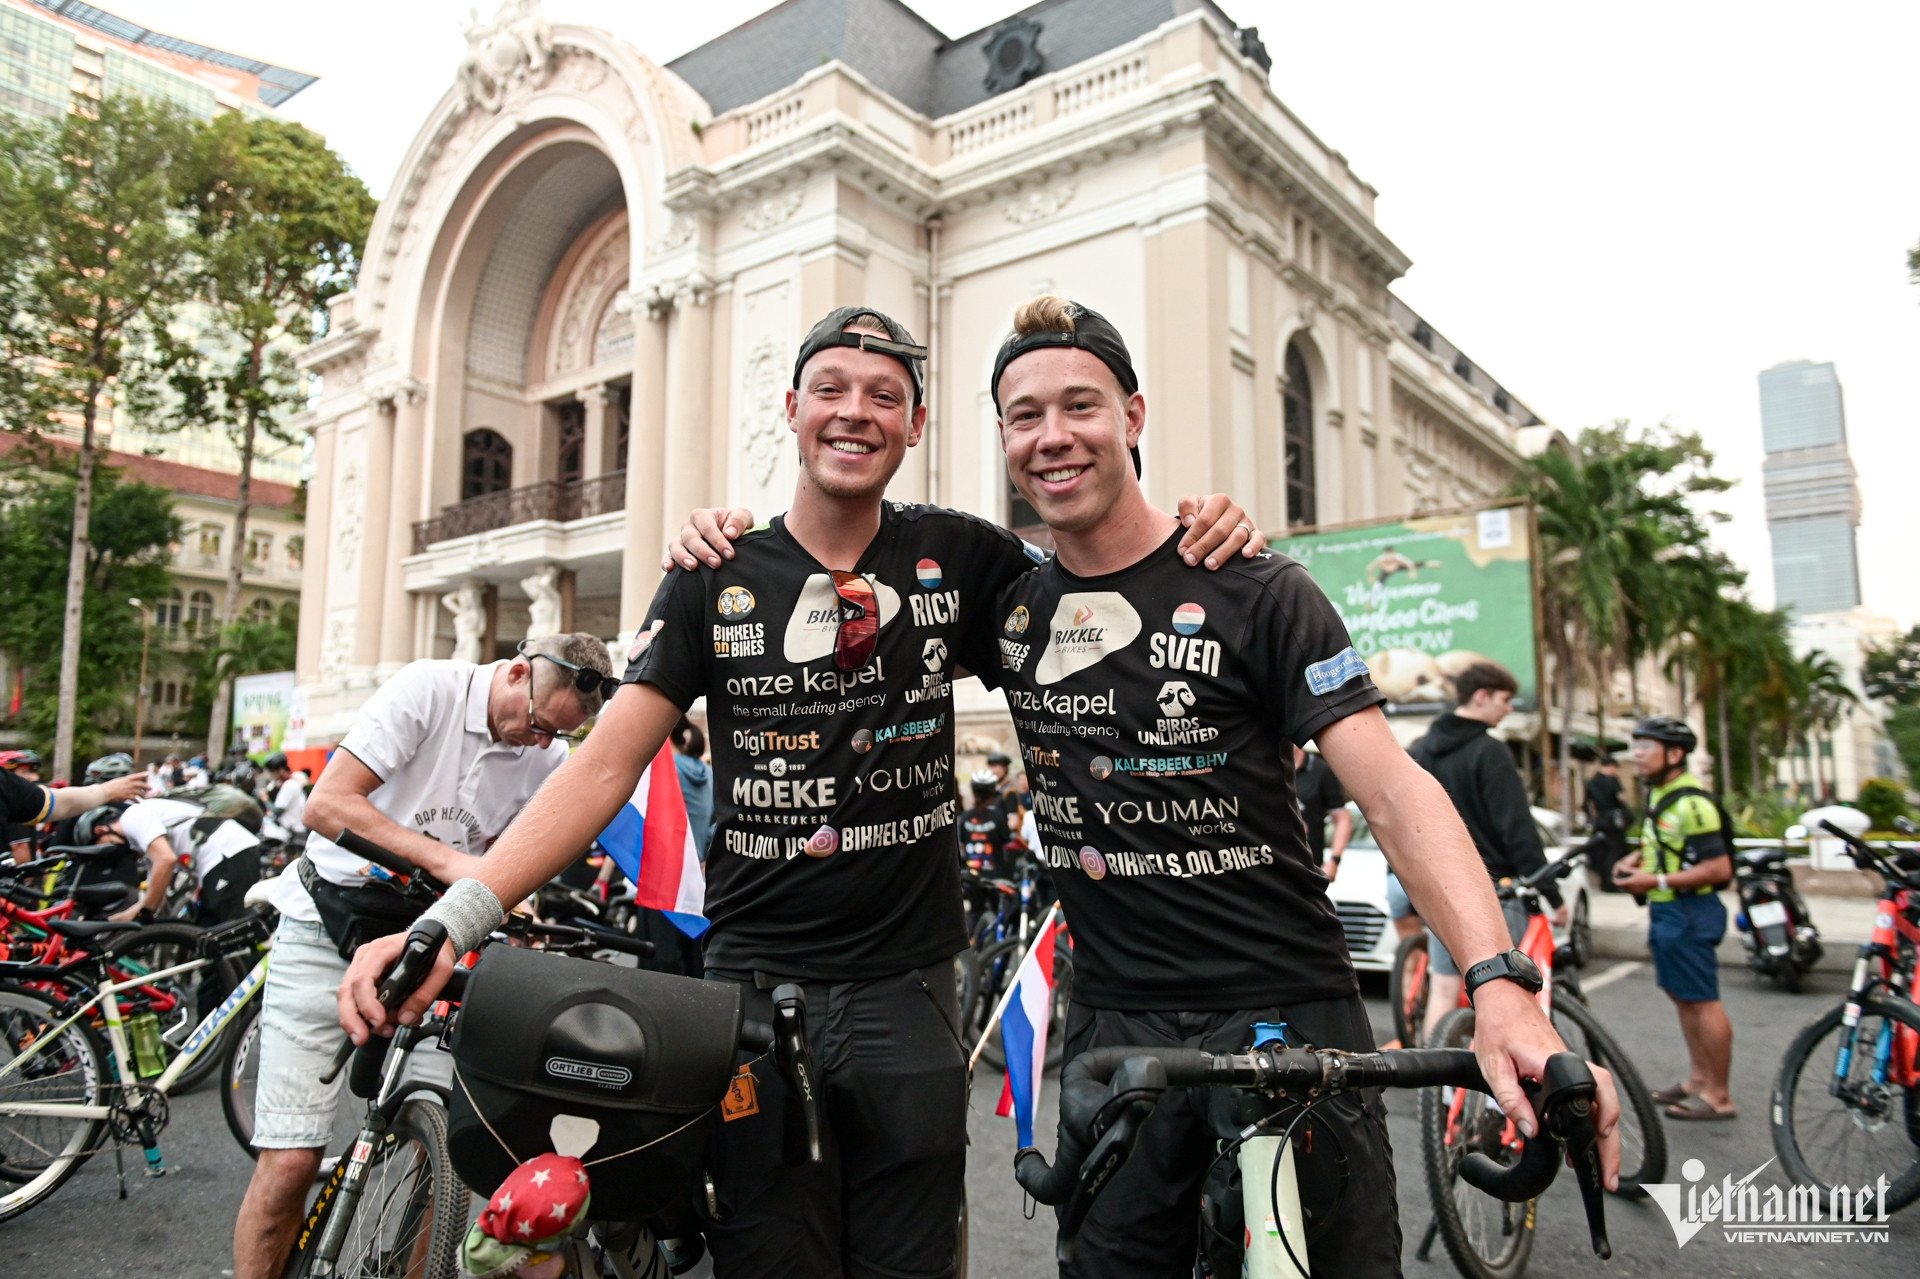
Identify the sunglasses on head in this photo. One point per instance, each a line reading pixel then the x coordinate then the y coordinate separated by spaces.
pixel 859 627
pixel 584 680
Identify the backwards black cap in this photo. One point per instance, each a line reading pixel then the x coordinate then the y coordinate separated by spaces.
pixel 832 332
pixel 1092 332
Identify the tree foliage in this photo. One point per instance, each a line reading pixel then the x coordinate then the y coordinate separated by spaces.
pixel 127 558
pixel 280 222
pixel 93 260
pixel 243 647
pixel 1892 673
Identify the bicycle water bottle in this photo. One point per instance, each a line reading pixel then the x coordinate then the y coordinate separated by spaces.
pixel 1266 1257
pixel 149 1053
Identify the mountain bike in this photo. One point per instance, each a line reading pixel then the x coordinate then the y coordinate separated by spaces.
pixel 1846 1105
pixel 1108 1094
pixel 1490 1239
pixel 63 1092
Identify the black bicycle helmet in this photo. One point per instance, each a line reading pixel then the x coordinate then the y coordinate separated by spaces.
pixel 108 767
pixel 244 775
pixel 1001 758
pixel 275 762
pixel 1668 731
pixel 29 759
pixel 88 827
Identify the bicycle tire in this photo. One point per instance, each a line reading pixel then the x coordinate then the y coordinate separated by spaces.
pixel 995 972
pixel 366 1252
pixel 1803 1111
pixel 1486 1237
pixel 163 945
pixel 1643 1138
pixel 1407 988
pixel 41 1152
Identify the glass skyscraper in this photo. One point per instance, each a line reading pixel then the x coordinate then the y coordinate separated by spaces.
pixel 1813 499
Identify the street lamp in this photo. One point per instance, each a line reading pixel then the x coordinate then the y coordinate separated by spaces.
pixel 140 693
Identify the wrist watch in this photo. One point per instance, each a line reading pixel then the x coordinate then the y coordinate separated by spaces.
pixel 1660 882
pixel 1513 965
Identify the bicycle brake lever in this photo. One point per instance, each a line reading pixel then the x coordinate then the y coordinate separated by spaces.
pixel 795 1059
pixel 1102 1162
pixel 1572 1121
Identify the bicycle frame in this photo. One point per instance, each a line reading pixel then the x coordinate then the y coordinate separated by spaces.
pixel 105 998
pixel 1896 1051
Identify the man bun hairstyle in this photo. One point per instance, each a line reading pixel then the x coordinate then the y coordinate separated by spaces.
pixel 1053 321
pixel 1491 676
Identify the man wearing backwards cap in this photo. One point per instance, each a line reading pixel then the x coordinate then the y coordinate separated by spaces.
pixel 1177 850
pixel 826 656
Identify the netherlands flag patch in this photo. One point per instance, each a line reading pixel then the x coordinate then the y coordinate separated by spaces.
pixel 929 573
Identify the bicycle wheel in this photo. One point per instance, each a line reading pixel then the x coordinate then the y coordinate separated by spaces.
pixel 995 972
pixel 1847 1126
pixel 180 1001
pixel 39 1152
pixel 1643 1139
pixel 1487 1238
pixel 411 1213
pixel 1407 988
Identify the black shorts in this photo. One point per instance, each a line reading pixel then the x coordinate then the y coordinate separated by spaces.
pixel 885 1203
pixel 1145 1224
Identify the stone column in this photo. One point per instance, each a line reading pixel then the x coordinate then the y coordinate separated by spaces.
pixel 689 424
pixel 408 404
pixel 316 538
pixel 646 463
pixel 597 453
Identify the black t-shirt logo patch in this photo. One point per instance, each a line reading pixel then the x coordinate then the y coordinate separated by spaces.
pixel 935 653
pixel 1175 698
pixel 1016 623
pixel 735 602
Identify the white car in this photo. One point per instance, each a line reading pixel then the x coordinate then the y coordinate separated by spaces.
pixel 1359 893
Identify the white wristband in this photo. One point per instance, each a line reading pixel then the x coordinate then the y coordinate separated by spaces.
pixel 470 911
pixel 1660 881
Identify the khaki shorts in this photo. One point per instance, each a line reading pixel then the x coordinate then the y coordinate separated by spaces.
pixel 299 1033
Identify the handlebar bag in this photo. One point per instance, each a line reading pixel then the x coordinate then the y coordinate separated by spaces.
pixel 646 1055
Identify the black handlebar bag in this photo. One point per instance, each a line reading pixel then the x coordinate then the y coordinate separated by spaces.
pixel 645 1055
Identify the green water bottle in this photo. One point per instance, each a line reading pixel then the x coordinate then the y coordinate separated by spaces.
pixel 149 1052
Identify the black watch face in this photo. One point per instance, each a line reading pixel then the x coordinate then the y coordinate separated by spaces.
pixel 1524 968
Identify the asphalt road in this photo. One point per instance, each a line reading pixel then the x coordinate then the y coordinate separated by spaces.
pixel 182 1225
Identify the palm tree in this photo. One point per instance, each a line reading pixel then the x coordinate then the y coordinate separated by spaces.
pixel 1824 704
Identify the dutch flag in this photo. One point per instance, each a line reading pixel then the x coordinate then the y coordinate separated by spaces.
pixel 650 841
pixel 1023 1032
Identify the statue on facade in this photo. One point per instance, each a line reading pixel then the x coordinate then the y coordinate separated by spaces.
pixel 514 49
pixel 469 608
pixel 543 608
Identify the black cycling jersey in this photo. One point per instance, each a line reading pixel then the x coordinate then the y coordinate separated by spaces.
pixel 984 833
pixel 27 803
pixel 1155 707
pixel 833 853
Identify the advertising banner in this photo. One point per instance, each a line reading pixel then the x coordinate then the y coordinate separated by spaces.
pixel 1428 596
pixel 261 706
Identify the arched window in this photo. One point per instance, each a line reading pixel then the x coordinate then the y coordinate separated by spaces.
pixel 486 464
pixel 1299 441
pixel 199 612
pixel 260 611
pixel 167 616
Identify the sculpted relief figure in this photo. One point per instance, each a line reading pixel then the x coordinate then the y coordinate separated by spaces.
pixel 516 47
pixel 469 608
pixel 543 594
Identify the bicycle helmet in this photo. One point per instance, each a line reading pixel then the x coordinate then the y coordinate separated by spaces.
pixel 1668 731
pixel 275 763
pixel 1001 758
pixel 29 759
pixel 108 767
pixel 244 775
pixel 984 783
pixel 11 760
pixel 90 825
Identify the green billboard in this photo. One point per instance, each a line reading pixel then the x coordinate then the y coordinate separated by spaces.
pixel 1426 597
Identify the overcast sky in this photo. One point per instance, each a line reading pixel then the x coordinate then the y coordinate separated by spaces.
pixel 1619 211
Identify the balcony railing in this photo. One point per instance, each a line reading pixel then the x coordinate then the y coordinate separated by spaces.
pixel 547 500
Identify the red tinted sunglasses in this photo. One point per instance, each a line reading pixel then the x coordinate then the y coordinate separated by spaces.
pixel 859 629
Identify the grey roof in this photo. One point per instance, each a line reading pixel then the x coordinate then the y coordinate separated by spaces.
pixel 902 53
